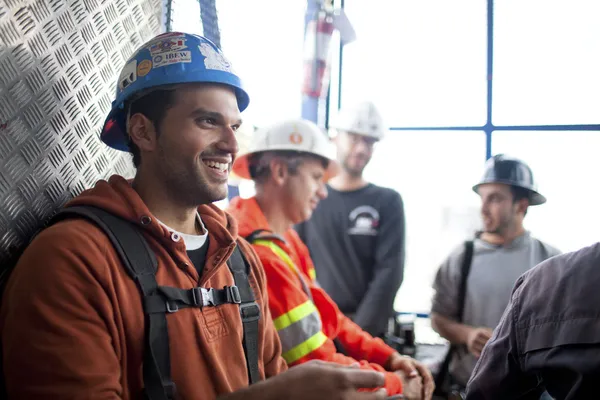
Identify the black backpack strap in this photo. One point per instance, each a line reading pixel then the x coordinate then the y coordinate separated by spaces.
pixel 169 299
pixel 249 311
pixel 464 275
pixel 258 234
pixel 140 262
pixel 465 269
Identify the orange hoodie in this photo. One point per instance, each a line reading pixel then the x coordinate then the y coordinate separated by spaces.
pixel 72 320
pixel 288 299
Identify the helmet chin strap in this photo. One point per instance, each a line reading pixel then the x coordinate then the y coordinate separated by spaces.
pixel 127 122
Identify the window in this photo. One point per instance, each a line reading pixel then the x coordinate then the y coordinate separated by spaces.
pixel 433 171
pixel 425 63
pixel 423 67
pixel 566 168
pixel 546 62
pixel 185 16
pixel 264 40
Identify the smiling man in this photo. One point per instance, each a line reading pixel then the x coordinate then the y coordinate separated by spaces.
pixel 74 323
pixel 501 254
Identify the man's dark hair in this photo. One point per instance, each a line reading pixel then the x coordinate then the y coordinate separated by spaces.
pixel 519 193
pixel 259 163
pixel 153 106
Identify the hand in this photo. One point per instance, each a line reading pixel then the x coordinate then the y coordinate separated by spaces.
pixel 316 380
pixel 412 387
pixel 412 368
pixel 322 380
pixel 477 339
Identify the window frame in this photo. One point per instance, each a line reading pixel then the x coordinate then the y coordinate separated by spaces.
pixel 488 128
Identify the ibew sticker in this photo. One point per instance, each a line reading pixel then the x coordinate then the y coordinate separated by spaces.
pixel 128 74
pixel 166 45
pixel 214 59
pixel 172 57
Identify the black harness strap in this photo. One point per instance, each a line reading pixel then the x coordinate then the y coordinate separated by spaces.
pixel 249 311
pixel 258 234
pixel 172 299
pixel 464 276
pixel 141 264
pixel 443 374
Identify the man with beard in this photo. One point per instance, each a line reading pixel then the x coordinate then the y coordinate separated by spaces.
pixel 356 235
pixel 195 321
pixel 501 253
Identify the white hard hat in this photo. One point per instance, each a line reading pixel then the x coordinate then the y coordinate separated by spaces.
pixel 296 135
pixel 244 135
pixel 362 119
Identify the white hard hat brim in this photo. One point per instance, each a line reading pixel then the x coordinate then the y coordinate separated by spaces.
pixel 241 165
pixel 376 136
pixel 361 118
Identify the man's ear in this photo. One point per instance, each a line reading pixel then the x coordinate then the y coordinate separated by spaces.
pixel 522 205
pixel 279 171
pixel 142 132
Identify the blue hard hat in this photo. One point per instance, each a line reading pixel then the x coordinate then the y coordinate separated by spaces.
pixel 167 59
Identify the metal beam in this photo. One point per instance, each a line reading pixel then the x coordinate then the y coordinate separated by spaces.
pixel 580 127
pixel 168 21
pixel 310 105
pixel 489 128
pixel 437 128
pixel 340 69
pixel 210 21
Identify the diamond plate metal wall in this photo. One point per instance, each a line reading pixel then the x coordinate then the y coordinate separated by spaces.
pixel 59 61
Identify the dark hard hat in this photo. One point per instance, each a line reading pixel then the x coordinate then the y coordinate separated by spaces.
pixel 513 172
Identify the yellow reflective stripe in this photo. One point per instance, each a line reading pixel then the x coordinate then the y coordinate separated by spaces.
pixel 294 315
pixel 302 321
pixel 299 332
pixel 312 274
pixel 279 251
pixel 305 348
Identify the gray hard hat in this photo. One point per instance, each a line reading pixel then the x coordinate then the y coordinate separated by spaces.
pixel 511 171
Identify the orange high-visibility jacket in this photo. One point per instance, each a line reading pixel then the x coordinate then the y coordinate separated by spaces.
pixel 305 317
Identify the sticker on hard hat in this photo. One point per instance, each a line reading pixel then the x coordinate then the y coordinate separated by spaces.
pixel 163 45
pixel 144 67
pixel 214 59
pixel 172 57
pixel 128 74
pixel 296 138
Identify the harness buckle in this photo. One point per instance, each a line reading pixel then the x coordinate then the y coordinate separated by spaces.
pixel 250 312
pixel 232 294
pixel 172 307
pixel 203 297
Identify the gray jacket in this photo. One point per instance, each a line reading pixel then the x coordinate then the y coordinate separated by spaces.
pixel 549 335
